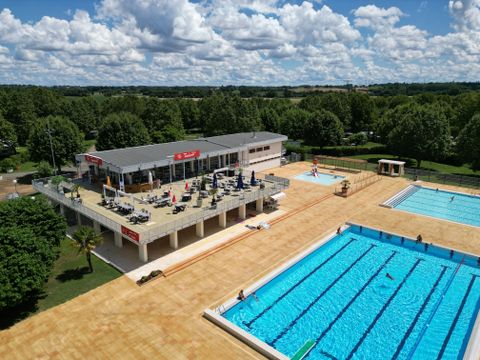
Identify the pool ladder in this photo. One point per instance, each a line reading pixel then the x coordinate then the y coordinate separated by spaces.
pixel 220 309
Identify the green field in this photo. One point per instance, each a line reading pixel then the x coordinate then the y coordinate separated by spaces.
pixel 69 278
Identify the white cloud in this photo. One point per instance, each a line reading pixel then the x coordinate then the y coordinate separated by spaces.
pixel 164 42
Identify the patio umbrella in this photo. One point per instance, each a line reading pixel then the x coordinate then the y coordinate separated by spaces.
pixel 150 180
pixel 174 200
pixel 240 181
pixel 252 179
pixel 214 181
pixel 109 182
pixel 186 185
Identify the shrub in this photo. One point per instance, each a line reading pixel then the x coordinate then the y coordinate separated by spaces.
pixel 155 273
pixel 44 169
pixel 357 139
pixel 7 164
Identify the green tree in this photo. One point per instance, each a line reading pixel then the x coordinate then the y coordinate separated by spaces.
pixel 420 132
pixel 7 133
pixel 83 112
pixel 86 239
pixel 468 142
pixel 338 104
pixel 323 128
pixel 293 122
pixel 270 119
pixel 362 108
pixel 162 114
pixel 130 103
pixel 121 130
pixel 190 113
pixel 465 106
pixel 20 111
pixel 66 140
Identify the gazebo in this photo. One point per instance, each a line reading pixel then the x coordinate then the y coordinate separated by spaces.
pixel 391 167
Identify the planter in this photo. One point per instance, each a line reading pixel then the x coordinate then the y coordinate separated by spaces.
pixel 344 191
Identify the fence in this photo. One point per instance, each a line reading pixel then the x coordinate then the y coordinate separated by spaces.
pixel 356 187
pixel 441 178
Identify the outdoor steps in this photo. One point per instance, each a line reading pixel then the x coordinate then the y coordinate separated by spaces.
pixel 402 195
pixel 186 263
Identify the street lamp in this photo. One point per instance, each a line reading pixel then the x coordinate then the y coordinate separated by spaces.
pixel 49 132
pixel 15 182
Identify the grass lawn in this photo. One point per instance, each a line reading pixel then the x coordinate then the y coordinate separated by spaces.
pixel 69 278
pixel 427 165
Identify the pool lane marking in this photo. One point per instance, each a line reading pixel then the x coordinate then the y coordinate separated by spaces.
pixel 382 310
pixel 420 312
pixel 434 310
pixel 318 267
pixel 345 308
pixel 327 289
pixel 457 316
pixel 466 338
pixel 326 354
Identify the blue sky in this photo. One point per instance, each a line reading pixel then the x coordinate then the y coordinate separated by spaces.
pixel 250 42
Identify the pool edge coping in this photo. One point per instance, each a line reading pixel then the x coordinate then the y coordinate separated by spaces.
pixel 387 206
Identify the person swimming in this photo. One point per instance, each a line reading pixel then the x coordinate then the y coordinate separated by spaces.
pixel 390 276
pixel 255 296
pixel 339 230
pixel 452 198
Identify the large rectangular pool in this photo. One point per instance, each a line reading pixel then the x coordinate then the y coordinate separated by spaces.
pixel 366 294
pixel 458 207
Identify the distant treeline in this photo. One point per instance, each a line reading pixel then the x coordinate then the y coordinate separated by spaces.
pixel 453 88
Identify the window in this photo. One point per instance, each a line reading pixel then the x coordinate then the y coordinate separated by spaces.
pixel 266 148
pixel 251 151
pixel 259 149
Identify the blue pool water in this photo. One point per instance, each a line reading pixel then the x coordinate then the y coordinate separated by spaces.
pixel 323 179
pixel 425 201
pixel 340 297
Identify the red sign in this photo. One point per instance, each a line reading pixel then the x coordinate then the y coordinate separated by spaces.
pixel 130 233
pixel 93 159
pixel 186 155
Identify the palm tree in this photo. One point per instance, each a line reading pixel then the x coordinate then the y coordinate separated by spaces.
pixel 86 239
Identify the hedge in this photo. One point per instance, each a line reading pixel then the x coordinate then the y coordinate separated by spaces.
pixel 338 151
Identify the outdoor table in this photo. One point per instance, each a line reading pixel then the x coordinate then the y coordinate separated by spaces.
pixel 162 202
pixel 186 197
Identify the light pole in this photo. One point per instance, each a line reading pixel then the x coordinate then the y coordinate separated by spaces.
pixel 15 182
pixel 51 148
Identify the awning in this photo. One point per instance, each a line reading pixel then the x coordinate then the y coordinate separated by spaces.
pixel 278 196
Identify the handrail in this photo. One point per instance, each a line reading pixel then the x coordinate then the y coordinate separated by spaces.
pixel 434 310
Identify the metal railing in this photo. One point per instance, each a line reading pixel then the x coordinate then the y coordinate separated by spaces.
pixel 276 185
pixel 442 178
pixel 45 187
pixel 354 188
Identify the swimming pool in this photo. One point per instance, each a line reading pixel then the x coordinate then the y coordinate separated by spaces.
pixel 339 299
pixel 322 178
pixel 458 207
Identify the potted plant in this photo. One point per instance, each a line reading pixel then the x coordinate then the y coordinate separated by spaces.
pixel 345 186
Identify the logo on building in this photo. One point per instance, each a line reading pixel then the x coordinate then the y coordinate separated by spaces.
pixel 93 159
pixel 186 155
pixel 130 234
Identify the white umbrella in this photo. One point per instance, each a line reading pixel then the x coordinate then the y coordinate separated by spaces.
pixel 150 178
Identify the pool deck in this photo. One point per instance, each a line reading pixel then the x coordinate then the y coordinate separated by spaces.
pixel 163 319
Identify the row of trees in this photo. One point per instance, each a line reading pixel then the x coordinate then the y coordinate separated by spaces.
pixel 30 114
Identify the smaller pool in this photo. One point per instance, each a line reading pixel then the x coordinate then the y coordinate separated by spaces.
pixel 321 178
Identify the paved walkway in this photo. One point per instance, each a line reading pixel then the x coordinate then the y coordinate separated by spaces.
pixel 162 320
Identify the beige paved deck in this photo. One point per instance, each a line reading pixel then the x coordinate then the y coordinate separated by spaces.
pixel 162 320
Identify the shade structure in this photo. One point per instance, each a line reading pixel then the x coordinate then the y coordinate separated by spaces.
pixel 109 182
pixel 240 181
pixel 253 181
pixel 214 181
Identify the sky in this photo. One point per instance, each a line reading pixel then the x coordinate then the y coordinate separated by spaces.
pixel 238 42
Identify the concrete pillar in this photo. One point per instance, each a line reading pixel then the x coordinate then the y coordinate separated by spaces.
pixel 96 227
pixel 143 253
pixel 192 166
pixel 242 211
pixel 200 229
pixel 259 205
pixel 118 239
pixel 174 240
pixel 222 219
pixel 79 219
pixel 62 209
